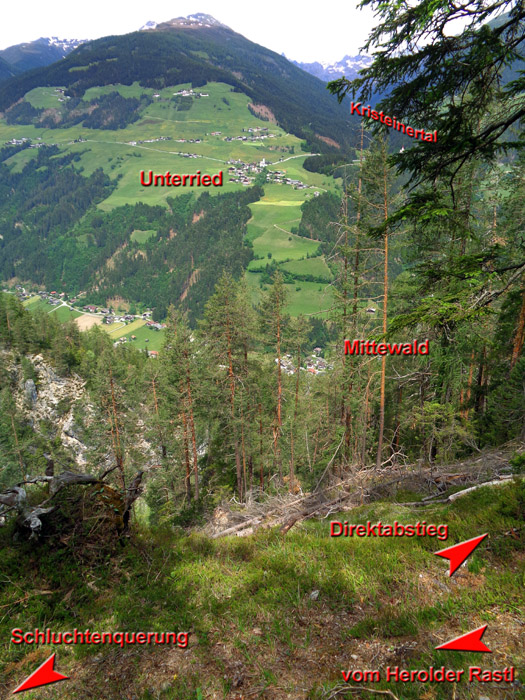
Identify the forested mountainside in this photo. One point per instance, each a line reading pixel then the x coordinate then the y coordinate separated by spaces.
pixel 42 204
pixel 6 70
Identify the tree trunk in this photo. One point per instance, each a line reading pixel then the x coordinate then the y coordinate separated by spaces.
pixel 187 480
pixel 192 425
pixel 261 471
pixel 279 397
pixel 120 456
pixel 385 318
pixel 161 438
pixel 520 334
pixel 20 460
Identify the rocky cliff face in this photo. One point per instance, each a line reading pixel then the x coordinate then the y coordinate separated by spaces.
pixel 51 399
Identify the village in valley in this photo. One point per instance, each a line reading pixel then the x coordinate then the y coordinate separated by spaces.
pixel 123 327
pixel 127 325
pixel 314 363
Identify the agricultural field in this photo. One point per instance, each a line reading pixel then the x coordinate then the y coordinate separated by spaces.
pixel 145 336
pixel 37 304
pixel 31 301
pixel 280 246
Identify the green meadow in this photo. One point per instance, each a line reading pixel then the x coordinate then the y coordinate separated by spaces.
pixel 312 266
pixel 308 298
pixel 280 245
pixel 146 338
pixel 63 313
pixel 142 236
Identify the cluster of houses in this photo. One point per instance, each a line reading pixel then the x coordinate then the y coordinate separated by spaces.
pixel 52 298
pixel 188 93
pixel 21 293
pixel 17 142
pixel 61 91
pixel 20 142
pixel 240 174
pixel 314 363
pixel 188 140
pixel 262 131
pixel 160 138
pixel 245 172
pixel 156 326
pixel 279 176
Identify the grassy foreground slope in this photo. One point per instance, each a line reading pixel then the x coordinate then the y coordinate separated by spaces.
pixel 272 616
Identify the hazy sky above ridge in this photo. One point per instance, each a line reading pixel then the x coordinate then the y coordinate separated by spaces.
pixel 319 32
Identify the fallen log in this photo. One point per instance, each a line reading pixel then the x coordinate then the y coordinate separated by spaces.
pixel 257 519
pixel 454 496
pixel 496 482
pixel 308 513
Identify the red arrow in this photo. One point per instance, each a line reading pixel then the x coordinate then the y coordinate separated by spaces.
pixel 44 675
pixel 468 642
pixel 459 552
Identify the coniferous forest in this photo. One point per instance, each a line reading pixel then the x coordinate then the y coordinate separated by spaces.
pixel 192 488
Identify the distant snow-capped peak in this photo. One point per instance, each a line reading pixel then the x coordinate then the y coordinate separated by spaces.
pixel 148 25
pixel 66 45
pixel 199 19
pixel 349 66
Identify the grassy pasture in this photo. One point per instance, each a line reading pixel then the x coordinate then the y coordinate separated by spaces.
pixel 130 328
pixel 36 304
pixel 147 338
pixel 18 162
pixel 302 297
pixel 111 327
pixel 311 266
pixel 64 313
pixel 31 301
pixel 45 98
pixel 142 236
pixel 134 90
pixel 282 246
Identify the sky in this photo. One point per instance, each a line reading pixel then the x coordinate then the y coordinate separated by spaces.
pixel 310 32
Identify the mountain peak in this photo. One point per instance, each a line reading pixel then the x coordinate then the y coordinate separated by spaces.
pixel 199 19
pixel 148 25
pixel 38 53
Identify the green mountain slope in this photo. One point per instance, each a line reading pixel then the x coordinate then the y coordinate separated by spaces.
pixel 48 240
pixel 173 54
